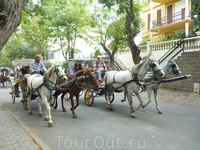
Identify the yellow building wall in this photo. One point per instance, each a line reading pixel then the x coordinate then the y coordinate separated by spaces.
pixel 158 35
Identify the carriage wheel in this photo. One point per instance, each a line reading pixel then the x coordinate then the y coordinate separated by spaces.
pixel 88 97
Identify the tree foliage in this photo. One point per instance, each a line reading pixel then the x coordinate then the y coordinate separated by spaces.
pixel 69 21
pixel 196 11
pixel 130 8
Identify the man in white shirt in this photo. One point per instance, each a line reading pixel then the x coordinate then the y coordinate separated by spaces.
pixel 37 66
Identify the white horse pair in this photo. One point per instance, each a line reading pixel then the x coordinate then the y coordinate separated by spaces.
pixel 45 87
pixel 129 81
pixel 168 67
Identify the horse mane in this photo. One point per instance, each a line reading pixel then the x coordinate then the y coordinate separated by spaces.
pixel 84 71
pixel 135 69
pixel 50 71
pixel 80 73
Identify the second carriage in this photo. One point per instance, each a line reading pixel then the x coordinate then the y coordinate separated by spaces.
pixel 89 94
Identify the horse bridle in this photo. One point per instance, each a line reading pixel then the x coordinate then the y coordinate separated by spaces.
pixel 152 65
pixel 56 71
pixel 173 66
pixel 89 78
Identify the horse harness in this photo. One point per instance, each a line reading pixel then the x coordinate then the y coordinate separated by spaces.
pixel 44 83
pixel 135 79
pixel 75 83
pixel 88 79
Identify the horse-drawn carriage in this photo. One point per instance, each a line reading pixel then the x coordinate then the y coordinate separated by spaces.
pixel 18 83
pixel 127 81
pixel 4 76
pixel 90 93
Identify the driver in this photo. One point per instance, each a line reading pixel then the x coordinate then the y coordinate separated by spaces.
pixel 37 66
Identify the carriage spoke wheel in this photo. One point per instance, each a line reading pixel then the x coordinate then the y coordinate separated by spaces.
pixel 88 97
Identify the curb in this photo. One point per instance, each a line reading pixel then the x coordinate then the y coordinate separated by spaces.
pixel 26 129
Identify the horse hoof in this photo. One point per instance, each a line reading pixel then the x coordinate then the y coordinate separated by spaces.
pixel 46 119
pixel 30 113
pixel 122 100
pixel 75 116
pixel 133 116
pixel 55 107
pixel 40 115
pixel 64 110
pixel 160 112
pixel 50 124
pixel 110 108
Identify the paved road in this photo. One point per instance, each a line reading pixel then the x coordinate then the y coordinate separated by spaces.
pixel 98 128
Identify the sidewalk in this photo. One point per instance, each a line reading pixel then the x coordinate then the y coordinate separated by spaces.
pixel 12 134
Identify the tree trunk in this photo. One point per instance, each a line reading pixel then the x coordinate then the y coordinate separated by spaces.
pixel 130 17
pixel 10 17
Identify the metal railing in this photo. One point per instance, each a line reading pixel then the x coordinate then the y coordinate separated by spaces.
pixel 174 47
pixel 169 19
pixel 176 50
pixel 191 44
pixel 117 66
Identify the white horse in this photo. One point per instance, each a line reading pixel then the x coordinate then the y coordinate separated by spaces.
pixel 45 87
pixel 168 67
pixel 129 81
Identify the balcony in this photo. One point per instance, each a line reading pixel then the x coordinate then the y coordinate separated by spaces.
pixel 165 1
pixel 171 23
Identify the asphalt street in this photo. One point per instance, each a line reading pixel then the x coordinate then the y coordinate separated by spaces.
pixel 98 128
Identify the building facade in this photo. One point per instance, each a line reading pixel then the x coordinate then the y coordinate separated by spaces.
pixel 166 19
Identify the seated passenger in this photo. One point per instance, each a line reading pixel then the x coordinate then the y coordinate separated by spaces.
pixel 74 69
pixel 79 67
pixel 100 68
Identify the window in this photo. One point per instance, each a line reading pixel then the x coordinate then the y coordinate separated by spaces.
pixel 148 21
pixel 159 23
pixel 183 13
pixel 169 14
